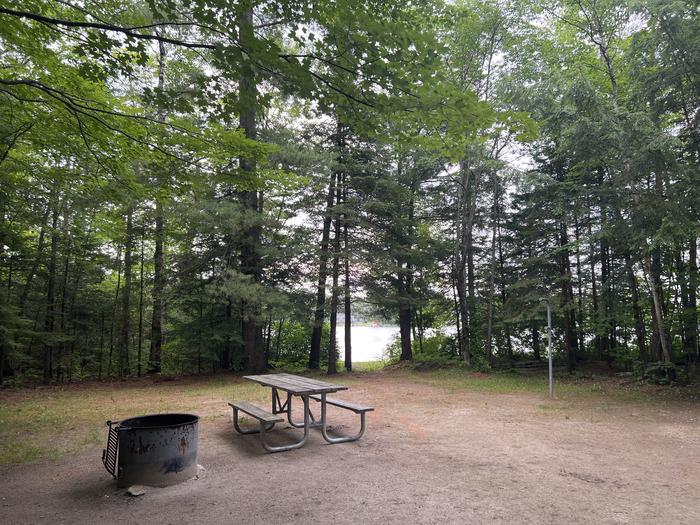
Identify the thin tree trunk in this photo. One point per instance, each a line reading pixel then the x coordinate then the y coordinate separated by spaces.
pixel 278 339
pixel 639 329
pixel 567 299
pixel 123 357
pixel 102 345
pixel 319 312
pixel 225 358
pixel 687 322
pixel 421 328
pixel 579 286
pixel 251 263
pixel 268 337
pixel 405 329
pixel 654 275
pixel 200 341
pixel 63 316
pixel 692 321
pixel 404 274
pixel 654 287
pixel 504 295
pixel 595 314
pixel 605 298
pixel 456 312
pixel 535 342
pixel 347 298
pixel 158 291
pixel 37 260
pixel 78 271
pixel 466 212
pixel 156 344
pixel 2 362
pixel 114 311
pixel 492 274
pixel 50 295
pixel 140 343
pixel 333 349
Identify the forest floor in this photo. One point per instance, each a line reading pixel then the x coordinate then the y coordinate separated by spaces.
pixel 441 447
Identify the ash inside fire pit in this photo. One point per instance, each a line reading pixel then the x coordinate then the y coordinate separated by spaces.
pixel 156 450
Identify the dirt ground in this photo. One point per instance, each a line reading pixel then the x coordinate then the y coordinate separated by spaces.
pixel 430 455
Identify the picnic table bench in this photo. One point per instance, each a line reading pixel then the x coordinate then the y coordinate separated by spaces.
pixel 305 388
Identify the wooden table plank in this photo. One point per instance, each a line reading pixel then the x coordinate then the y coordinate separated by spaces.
pixel 295 384
pixel 307 381
pixel 268 380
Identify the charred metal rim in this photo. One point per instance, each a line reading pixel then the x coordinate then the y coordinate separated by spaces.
pixel 159 421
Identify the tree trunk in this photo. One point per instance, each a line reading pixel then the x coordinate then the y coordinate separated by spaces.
pixel 579 287
pixel 687 320
pixel 140 343
pixel 456 311
pixel 692 319
pixel 348 302
pixel 405 331
pixel 251 263
pixel 605 299
pixel 50 295
pixel 567 299
pixel 114 311
pixel 158 292
pixel 102 345
pixel 660 329
pixel 268 337
pixel 492 273
pixel 595 314
pixel 639 329
pixel 319 312
pixel 64 314
pixel 464 260
pixel 200 328
pixel 2 361
pixel 536 342
pixel 278 338
pixel 421 328
pixel 504 296
pixel 659 339
pixel 225 357
pixel 333 349
pixel 123 357
pixel 37 260
pixel 404 276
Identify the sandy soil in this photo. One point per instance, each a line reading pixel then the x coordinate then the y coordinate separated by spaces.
pixel 429 456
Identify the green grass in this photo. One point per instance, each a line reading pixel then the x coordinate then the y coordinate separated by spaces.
pixel 45 423
pixel 565 387
pixel 367 366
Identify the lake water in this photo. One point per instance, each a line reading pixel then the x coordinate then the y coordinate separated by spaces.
pixel 368 342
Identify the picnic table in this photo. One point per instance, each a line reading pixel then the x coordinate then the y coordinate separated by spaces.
pixel 305 388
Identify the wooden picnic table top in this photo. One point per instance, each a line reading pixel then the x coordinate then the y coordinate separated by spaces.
pixel 295 384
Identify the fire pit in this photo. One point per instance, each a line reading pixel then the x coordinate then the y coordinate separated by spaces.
pixel 156 450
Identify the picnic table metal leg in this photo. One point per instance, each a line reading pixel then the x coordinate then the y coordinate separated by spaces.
pixel 277 406
pixel 240 430
pixel 342 439
pixel 313 423
pixel 282 448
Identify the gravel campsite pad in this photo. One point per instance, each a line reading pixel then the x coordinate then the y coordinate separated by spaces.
pixel 434 452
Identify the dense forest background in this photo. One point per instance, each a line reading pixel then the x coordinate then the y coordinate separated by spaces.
pixel 195 185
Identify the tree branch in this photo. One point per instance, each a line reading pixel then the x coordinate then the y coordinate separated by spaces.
pixel 129 31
